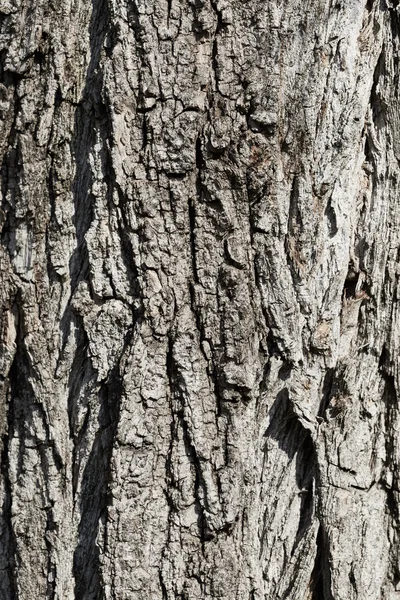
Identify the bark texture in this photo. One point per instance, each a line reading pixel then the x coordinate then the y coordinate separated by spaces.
pixel 199 295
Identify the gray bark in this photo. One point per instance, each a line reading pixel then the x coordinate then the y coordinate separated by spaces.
pixel 199 296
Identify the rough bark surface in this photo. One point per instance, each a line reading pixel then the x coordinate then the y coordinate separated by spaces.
pixel 199 296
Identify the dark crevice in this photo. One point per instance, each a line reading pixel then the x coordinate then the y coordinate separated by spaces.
pixel 320 584
pixel 51 526
pixel 170 368
pixel 384 360
pixel 96 474
pixel 11 174
pixel 214 62
pixel 80 377
pixel 21 403
pixel 392 504
pixel 145 132
pixel 220 22
pixel 293 439
pixel 330 215
pixel 200 163
pixel 199 29
pixel 294 214
pixel 162 586
pixel 350 287
pixel 192 226
pixel 89 115
pixel 376 101
pixel 390 406
pixel 305 473
pixel 90 118
pixel 393 6
pixel 286 429
pixel 369 157
pixel 95 492
pixel 273 346
pixel 192 210
pixel 353 580
pixel 176 176
pixel 326 392
pixel 78 442
pixel 316 585
pixel 7 535
pixel 169 8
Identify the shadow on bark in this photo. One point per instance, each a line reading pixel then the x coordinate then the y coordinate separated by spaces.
pixel 296 442
pixel 95 477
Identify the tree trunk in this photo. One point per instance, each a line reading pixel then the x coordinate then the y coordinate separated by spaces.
pixel 200 293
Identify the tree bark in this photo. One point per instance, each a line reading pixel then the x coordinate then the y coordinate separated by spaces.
pixel 199 299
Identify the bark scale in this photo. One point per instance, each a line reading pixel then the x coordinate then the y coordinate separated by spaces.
pixel 199 295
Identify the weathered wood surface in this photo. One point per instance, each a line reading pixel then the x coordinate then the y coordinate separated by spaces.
pixel 200 300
